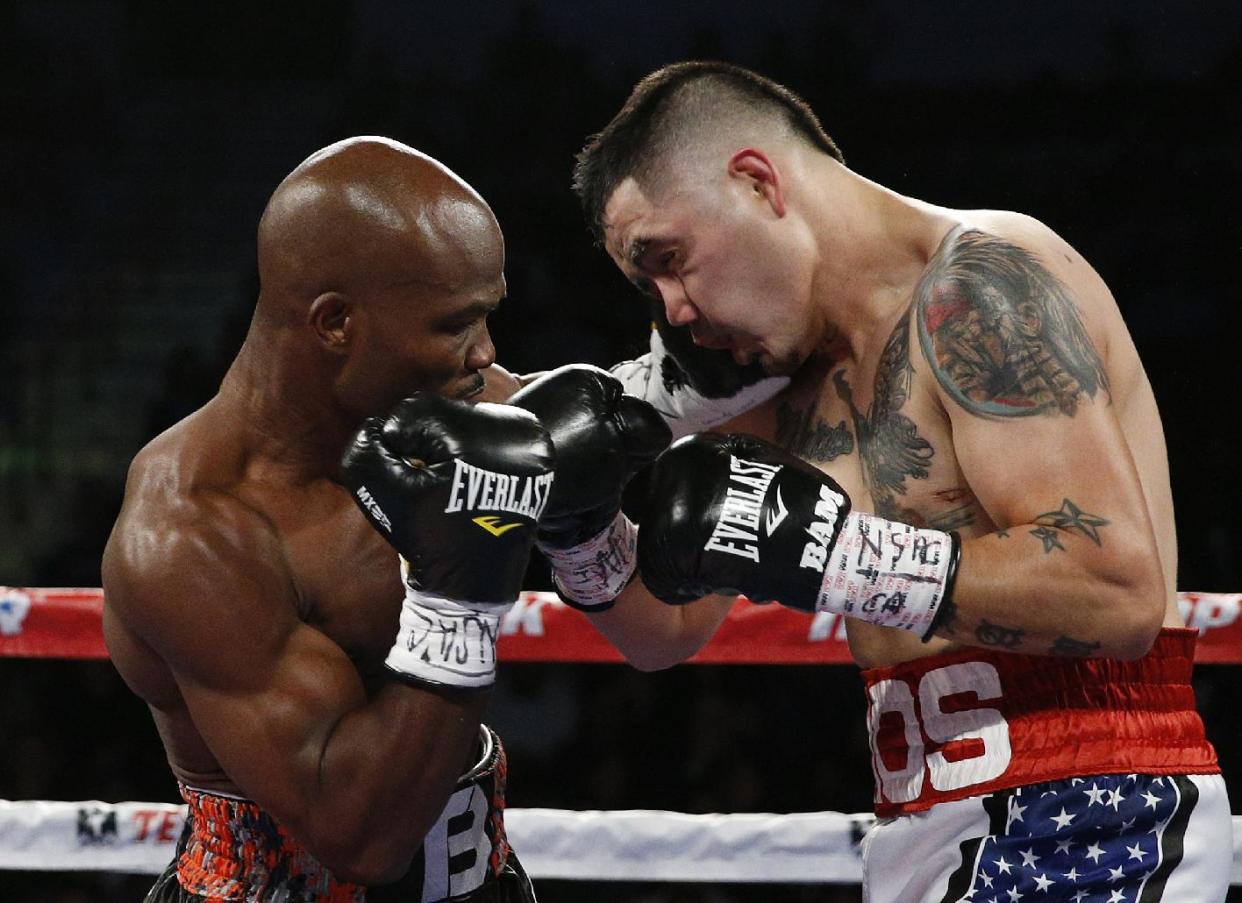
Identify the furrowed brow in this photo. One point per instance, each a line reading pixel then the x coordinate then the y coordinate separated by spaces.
pixel 636 251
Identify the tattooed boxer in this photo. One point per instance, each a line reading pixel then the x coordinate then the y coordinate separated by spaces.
pixel 968 465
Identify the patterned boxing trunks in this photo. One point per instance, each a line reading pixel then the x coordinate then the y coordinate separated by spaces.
pixel 231 850
pixel 1004 777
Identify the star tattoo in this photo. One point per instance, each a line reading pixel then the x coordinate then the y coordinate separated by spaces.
pixel 1070 517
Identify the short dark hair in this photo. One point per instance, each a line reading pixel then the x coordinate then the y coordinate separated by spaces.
pixel 629 143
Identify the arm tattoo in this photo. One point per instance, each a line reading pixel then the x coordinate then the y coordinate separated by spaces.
pixel 990 634
pixel 888 441
pixel 1065 645
pixel 1049 538
pixel 1001 333
pixel 1070 518
pixel 809 437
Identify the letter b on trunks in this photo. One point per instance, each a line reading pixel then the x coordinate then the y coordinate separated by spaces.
pixel 971 744
pixel 456 849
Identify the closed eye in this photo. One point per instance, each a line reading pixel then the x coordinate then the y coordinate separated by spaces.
pixel 646 286
pixel 466 320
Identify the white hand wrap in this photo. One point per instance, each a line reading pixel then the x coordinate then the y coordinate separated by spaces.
pixel 590 575
pixel 887 573
pixel 444 641
pixel 684 409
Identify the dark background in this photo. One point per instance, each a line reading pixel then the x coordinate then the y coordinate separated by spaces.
pixel 140 141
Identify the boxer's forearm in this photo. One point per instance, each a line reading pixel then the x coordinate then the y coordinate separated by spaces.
pixel 652 635
pixel 368 819
pixel 1036 590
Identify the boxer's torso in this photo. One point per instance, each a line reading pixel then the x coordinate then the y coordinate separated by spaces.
pixel 342 578
pixel 878 426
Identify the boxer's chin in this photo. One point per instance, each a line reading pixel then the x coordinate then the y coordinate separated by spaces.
pixel 783 365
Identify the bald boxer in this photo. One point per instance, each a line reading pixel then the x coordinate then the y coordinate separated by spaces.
pixel 253 608
pixel 968 465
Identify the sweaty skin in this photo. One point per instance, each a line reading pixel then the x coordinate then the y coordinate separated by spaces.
pixel 247 600
pixel 962 370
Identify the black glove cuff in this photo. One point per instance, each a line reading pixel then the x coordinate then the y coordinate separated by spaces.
pixel 947 609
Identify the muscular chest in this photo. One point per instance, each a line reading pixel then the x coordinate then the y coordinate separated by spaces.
pixel 347 579
pixel 878 430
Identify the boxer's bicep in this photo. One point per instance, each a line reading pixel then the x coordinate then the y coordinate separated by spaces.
pixel 1013 341
pixel 263 689
pixel 1015 353
pixel 1054 481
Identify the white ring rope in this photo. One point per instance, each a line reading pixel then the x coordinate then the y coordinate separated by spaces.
pixel 632 845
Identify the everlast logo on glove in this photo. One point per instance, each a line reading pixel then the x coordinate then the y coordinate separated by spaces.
pixel 737 527
pixel 477 489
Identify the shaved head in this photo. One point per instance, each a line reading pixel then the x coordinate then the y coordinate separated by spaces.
pixel 678 120
pixel 378 269
pixel 365 214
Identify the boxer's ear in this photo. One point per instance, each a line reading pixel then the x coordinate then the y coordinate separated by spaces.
pixel 329 318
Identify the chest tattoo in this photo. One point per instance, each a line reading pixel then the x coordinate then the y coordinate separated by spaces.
pixel 889 443
pixel 810 438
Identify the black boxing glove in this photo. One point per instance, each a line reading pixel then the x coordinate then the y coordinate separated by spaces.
pixel 602 437
pixel 457 490
pixel 693 388
pixel 737 515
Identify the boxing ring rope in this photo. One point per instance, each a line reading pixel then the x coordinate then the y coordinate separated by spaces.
pixel 634 845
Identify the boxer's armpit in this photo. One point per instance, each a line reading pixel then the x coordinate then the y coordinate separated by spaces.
pixel 1002 333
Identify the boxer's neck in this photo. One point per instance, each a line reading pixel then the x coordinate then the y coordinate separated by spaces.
pixel 874 245
pixel 284 407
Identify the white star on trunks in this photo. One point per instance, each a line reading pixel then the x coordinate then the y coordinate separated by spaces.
pixel 1015 813
pixel 1038 857
pixel 1063 820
